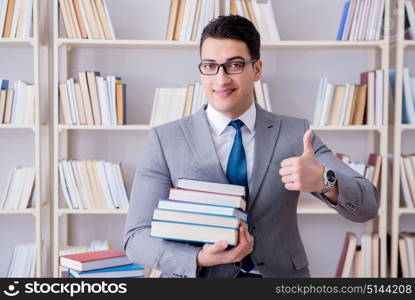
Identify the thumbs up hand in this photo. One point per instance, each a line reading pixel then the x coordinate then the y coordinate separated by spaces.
pixel 303 173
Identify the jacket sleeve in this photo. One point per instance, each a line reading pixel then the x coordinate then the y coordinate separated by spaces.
pixel 358 198
pixel 152 182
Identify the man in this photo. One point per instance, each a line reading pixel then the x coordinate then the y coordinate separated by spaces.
pixel 233 140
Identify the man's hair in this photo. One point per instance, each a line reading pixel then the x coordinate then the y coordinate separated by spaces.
pixel 236 28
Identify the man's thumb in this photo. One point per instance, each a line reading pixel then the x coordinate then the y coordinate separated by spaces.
pixel 308 147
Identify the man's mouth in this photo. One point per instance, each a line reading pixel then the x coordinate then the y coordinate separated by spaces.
pixel 224 93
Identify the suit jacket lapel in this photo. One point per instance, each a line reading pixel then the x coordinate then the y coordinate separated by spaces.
pixel 267 128
pixel 196 131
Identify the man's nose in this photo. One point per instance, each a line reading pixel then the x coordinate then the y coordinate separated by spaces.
pixel 222 76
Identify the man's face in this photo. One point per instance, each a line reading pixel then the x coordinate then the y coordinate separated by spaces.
pixel 230 94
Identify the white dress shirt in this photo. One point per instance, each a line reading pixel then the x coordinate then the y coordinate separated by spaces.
pixel 224 135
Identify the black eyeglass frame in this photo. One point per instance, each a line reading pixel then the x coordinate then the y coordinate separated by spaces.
pixel 244 63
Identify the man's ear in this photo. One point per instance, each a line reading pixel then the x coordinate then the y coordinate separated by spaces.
pixel 257 70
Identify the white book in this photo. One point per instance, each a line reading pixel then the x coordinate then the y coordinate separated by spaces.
pixel 411 255
pixel 367 255
pixel 371 99
pixel 260 98
pixel 213 187
pixel 185 20
pixel 112 183
pixel 227 7
pixel 192 12
pixel 15 19
pixel 120 184
pixel 3 10
pixel 319 102
pixel 267 97
pixel 262 26
pixel 154 110
pixel 73 191
pixel 73 107
pixel 104 3
pixel 380 99
pixel 29 117
pixel 104 184
pixel 217 8
pixel 328 99
pixel 365 17
pixel 28 183
pixel 177 103
pixel 354 21
pixel 202 18
pixel 239 8
pixel 159 111
pixel 405 193
pixel 15 191
pixel 84 18
pixel 28 15
pixel 408 102
pixel 64 186
pixel 371 21
pixel 85 182
pixel 79 185
pixel 269 17
pixel 349 19
pixel 18 101
pixel 359 20
pixel 7 188
pixel 23 103
pixel 110 85
pixel 380 19
pixel 103 100
pixel 344 104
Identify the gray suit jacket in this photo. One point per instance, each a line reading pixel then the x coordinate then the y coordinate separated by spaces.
pixel 185 149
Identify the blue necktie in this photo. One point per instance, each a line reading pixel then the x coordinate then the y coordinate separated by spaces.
pixel 236 171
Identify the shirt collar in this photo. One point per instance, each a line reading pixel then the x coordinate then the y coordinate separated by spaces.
pixel 219 122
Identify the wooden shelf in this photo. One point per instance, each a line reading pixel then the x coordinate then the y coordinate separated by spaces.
pixel 194 44
pixel 409 43
pixel 348 128
pixel 67 211
pixel 16 126
pixel 104 127
pixel 4 42
pixel 18 211
pixel 407 127
pixel 406 211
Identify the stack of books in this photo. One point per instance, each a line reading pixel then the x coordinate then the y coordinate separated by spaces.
pixel 95 100
pixel 187 18
pixel 408 104
pixel 361 20
pixel 370 170
pixel 100 264
pixel 351 104
pixel 16 18
pixel 86 19
pixel 17 106
pixel 406 246
pixel 92 184
pixel 23 261
pixel 201 212
pixel 407 171
pixel 410 16
pixel 19 188
pixel 359 260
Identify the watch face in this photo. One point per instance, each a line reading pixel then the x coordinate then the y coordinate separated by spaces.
pixel 330 176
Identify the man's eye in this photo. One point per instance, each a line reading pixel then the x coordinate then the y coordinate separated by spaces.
pixel 236 65
pixel 209 66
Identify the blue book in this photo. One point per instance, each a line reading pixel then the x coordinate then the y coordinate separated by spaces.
pixel 4 84
pixel 343 21
pixel 131 270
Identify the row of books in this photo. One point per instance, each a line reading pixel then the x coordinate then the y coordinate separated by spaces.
pixel 171 104
pixel 406 246
pixel 100 264
pixel 351 104
pixel 86 19
pixel 92 184
pixel 19 188
pixel 23 261
pixel 407 172
pixel 408 104
pixel 17 105
pixel 361 20
pixel 16 18
pixel 187 18
pixel 410 16
pixel 200 212
pixel 370 170
pixel 95 100
pixel 359 260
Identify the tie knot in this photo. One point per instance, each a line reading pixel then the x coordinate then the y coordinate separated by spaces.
pixel 237 124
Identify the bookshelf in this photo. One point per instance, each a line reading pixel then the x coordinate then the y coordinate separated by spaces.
pixel 27 221
pixel 401 217
pixel 70 54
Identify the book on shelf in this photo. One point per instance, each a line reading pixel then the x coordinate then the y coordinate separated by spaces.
pixel 345 264
pixel 94 100
pixel 406 247
pixel 205 213
pixel 187 18
pixel 16 18
pixel 407 172
pixel 23 261
pixel 17 105
pixel 361 20
pixel 19 190
pixel 351 104
pixel 408 101
pixel 410 19
pixel 94 260
pixel 88 184
pixel 86 19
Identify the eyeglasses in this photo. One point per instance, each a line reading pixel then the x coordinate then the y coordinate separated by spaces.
pixel 231 67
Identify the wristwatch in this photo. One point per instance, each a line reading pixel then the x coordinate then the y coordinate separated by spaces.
pixel 329 180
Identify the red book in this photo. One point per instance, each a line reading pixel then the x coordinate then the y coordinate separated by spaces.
pixel 94 260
